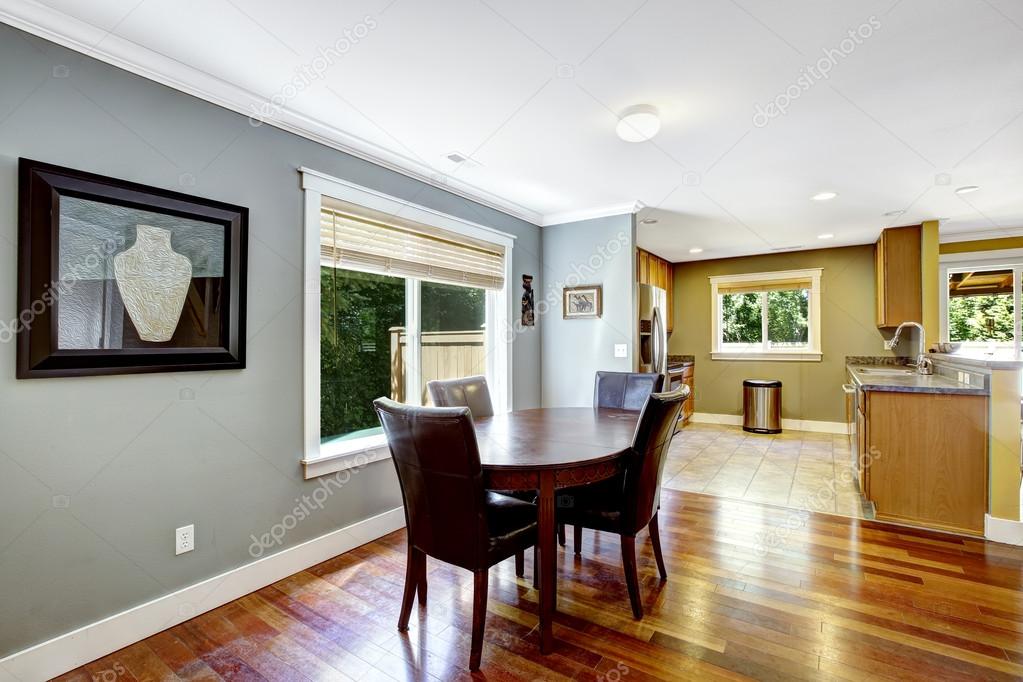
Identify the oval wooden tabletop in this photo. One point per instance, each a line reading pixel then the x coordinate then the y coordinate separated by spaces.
pixel 554 437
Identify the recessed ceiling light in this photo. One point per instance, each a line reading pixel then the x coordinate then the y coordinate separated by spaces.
pixel 638 123
pixel 696 249
pixel 648 221
pixel 892 214
pixel 826 235
pixel 824 196
pixel 967 189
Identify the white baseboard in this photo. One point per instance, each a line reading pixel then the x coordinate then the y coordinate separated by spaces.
pixel 840 428
pixel 76 648
pixel 1003 530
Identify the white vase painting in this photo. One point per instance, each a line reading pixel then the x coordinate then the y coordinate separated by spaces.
pixel 153 280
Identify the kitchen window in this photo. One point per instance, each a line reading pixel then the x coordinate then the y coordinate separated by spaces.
pixel 766 316
pixel 980 299
pixel 399 295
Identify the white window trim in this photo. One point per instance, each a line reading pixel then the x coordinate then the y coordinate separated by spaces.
pixel 317 460
pixel 757 352
pixel 988 260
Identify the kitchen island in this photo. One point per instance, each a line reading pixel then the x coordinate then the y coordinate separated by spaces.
pixel 922 445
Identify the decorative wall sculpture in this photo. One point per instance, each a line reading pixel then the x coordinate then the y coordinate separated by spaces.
pixel 528 303
pixel 116 277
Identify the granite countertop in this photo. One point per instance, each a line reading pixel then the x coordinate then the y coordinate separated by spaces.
pixel 675 361
pixel 910 382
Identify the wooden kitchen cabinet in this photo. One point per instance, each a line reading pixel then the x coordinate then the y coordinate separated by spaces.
pixel 655 271
pixel 897 276
pixel 924 459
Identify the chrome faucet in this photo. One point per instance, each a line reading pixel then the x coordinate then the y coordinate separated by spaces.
pixel 923 363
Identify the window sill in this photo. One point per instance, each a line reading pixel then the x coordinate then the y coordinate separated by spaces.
pixel 336 457
pixel 772 356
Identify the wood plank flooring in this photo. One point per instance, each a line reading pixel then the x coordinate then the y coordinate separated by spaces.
pixel 754 592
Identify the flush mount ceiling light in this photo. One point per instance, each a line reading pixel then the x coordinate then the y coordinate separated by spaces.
pixel 638 123
pixel 824 196
pixel 648 221
pixel 696 249
pixel 892 214
pixel 967 189
pixel 826 235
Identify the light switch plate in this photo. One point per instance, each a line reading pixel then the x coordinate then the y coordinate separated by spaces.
pixel 621 350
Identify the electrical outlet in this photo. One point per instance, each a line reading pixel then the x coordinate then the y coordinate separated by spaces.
pixel 621 350
pixel 184 539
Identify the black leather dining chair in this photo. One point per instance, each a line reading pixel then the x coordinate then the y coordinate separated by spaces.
pixel 471 392
pixel 449 515
pixel 625 390
pixel 629 502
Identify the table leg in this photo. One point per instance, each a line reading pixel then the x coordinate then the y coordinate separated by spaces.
pixel 548 560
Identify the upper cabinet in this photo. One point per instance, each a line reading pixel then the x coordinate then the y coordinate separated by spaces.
pixel 897 272
pixel 656 271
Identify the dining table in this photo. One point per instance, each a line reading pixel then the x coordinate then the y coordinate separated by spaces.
pixel 548 449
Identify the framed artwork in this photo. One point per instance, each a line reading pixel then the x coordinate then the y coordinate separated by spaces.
pixel 119 278
pixel 583 302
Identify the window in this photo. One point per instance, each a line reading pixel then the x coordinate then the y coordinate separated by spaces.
pixel 980 300
pixel 770 315
pixel 402 295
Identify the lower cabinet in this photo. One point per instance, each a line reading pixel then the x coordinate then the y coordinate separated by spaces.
pixel 925 459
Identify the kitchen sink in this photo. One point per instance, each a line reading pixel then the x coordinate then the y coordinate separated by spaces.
pixel 886 372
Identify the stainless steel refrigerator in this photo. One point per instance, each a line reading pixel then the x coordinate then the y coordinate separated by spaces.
pixel 653 330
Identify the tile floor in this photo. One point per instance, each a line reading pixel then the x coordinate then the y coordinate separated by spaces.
pixel 795 469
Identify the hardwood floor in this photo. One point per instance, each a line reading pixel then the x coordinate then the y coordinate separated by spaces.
pixel 753 592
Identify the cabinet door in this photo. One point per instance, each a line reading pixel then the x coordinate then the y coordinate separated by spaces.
pixel 688 407
pixel 670 286
pixel 644 267
pixel 879 281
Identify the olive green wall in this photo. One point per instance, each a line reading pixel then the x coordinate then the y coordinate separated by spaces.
pixel 811 390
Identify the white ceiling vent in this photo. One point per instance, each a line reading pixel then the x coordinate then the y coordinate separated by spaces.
pixel 459 158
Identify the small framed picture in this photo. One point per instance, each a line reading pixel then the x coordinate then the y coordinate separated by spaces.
pixel 583 302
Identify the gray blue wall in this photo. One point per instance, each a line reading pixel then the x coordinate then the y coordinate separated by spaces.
pixel 96 473
pixel 597 251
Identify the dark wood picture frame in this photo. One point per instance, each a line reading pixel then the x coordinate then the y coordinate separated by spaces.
pixel 598 304
pixel 41 186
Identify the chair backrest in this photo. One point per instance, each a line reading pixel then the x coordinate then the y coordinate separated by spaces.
pixel 625 390
pixel 471 392
pixel 645 463
pixel 438 462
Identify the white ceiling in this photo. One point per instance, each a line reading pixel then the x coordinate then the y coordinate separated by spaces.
pixel 930 101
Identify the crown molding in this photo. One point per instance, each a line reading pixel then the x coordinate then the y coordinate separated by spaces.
pixel 590 213
pixel 97 43
pixel 979 235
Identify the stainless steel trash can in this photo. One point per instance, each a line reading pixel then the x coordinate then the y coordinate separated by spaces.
pixel 761 406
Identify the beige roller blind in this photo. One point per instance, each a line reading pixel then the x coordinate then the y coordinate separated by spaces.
pixel 363 239
pixel 772 285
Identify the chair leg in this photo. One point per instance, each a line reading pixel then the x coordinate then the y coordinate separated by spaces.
pixel 411 583
pixel 655 540
pixel 479 617
pixel 631 577
pixel 561 534
pixel 421 590
pixel 520 563
pixel 578 539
